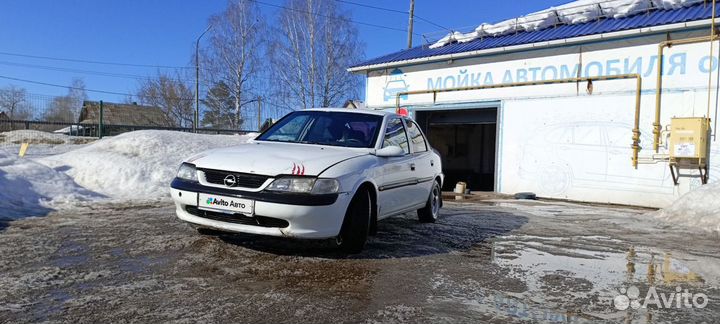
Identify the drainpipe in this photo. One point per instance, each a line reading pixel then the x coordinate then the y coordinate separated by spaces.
pixel 638 83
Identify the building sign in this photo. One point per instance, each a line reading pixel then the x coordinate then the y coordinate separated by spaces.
pixel 683 66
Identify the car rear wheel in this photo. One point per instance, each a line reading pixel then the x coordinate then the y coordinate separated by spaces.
pixel 431 211
pixel 356 226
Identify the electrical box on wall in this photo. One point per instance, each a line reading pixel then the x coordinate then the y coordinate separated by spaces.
pixel 689 145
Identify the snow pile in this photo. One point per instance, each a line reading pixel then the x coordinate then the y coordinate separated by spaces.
pixel 698 208
pixel 30 188
pixel 136 165
pixel 576 12
pixel 38 137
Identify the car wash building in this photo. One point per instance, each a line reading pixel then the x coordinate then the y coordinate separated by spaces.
pixel 566 103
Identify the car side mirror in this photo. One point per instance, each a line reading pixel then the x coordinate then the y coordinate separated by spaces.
pixel 390 151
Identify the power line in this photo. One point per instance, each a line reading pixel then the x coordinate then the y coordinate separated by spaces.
pixel 330 17
pixel 372 7
pixel 94 62
pixel 113 74
pixel 74 88
pixel 432 23
pixel 391 10
pixel 60 69
pixel 91 72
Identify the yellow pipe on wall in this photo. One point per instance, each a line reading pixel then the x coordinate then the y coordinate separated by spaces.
pixel 657 128
pixel 712 35
pixel 638 83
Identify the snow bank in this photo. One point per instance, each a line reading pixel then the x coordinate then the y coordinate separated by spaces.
pixel 32 189
pixel 39 137
pixel 136 165
pixel 576 12
pixel 698 208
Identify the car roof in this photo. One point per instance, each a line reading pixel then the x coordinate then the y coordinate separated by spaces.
pixel 357 111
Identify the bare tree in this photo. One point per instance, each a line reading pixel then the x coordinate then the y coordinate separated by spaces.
pixel 312 48
pixel 67 108
pixel 14 101
pixel 233 55
pixel 172 95
pixel 61 109
pixel 76 95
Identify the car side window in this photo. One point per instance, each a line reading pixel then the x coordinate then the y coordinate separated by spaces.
pixel 416 137
pixel 395 135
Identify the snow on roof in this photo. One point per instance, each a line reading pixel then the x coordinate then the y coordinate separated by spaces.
pixel 663 12
pixel 576 12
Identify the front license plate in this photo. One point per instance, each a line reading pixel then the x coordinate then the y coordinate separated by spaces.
pixel 226 204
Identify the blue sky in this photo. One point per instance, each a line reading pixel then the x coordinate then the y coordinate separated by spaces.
pixel 153 32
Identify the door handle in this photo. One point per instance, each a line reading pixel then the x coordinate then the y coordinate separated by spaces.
pixel 412 166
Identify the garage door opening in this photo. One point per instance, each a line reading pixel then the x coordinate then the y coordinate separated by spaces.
pixel 466 142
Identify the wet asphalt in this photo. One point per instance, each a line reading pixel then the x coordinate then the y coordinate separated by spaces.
pixel 500 261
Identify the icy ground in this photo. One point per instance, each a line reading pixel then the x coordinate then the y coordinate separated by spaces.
pixel 483 262
pixel 61 172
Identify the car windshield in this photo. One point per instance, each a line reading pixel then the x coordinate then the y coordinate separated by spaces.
pixel 325 128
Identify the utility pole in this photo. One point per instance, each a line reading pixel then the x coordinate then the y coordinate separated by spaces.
pixel 410 23
pixel 259 100
pixel 197 79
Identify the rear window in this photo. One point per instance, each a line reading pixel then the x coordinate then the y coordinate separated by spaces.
pixel 417 140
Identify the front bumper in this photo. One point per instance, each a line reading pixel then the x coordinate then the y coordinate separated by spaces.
pixel 308 216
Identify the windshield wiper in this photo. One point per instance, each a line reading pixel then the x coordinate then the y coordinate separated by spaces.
pixel 311 142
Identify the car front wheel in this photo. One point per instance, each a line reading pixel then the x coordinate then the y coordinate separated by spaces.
pixel 431 211
pixel 356 226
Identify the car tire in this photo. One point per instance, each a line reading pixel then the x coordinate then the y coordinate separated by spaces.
pixel 431 211
pixel 356 225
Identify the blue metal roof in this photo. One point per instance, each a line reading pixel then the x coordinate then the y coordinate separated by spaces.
pixel 652 18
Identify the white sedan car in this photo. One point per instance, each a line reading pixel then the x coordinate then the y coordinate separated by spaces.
pixel 318 173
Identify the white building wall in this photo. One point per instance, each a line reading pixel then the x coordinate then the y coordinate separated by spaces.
pixel 560 141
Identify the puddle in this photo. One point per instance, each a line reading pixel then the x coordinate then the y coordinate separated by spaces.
pixel 70 261
pixel 70 254
pixel 140 263
pixel 602 262
pixel 50 305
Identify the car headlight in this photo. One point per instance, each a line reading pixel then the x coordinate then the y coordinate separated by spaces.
pixel 326 186
pixel 305 185
pixel 188 172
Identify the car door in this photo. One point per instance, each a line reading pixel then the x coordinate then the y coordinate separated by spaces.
pixel 395 190
pixel 422 165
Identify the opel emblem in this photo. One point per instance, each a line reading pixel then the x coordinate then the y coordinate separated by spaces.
pixel 230 180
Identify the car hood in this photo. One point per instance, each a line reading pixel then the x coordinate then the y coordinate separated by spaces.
pixel 273 159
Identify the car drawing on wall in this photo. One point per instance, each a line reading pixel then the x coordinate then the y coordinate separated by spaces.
pixel 396 84
pixel 393 87
pixel 588 154
pixel 317 174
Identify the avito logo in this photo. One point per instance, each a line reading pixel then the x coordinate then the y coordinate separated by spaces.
pixel 222 202
pixel 630 298
pixel 217 202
